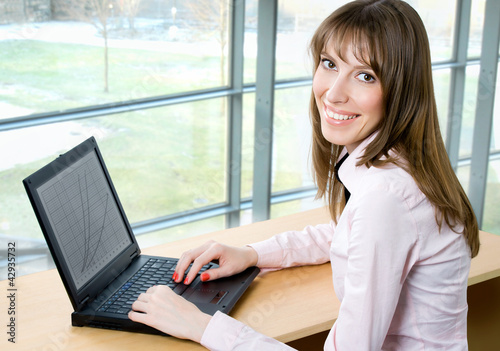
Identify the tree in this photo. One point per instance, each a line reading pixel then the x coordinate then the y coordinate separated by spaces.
pixel 96 12
pixel 101 13
pixel 130 8
pixel 214 14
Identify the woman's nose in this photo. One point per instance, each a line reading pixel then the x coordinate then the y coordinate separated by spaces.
pixel 337 92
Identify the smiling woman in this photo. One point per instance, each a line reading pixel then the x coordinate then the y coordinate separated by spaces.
pixel 349 98
pixel 400 245
pixel 172 146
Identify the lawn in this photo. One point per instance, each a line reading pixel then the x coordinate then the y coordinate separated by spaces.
pixel 162 160
pixel 56 76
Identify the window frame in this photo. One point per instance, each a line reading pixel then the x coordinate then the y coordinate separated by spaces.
pixel 264 88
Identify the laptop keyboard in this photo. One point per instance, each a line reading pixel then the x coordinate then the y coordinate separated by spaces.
pixel 153 272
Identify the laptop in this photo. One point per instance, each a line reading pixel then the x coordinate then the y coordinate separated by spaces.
pixel 96 252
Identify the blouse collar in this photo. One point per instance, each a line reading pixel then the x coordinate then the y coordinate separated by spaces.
pixel 349 173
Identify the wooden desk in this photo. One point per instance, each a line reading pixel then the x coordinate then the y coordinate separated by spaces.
pixel 287 305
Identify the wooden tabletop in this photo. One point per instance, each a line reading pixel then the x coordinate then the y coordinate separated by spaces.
pixel 287 305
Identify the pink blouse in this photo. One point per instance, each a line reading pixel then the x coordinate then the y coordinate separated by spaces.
pixel 401 281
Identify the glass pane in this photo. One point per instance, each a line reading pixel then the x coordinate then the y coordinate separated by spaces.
pixel 162 161
pixel 250 44
pixel 469 111
pixel 297 21
pixel 181 232
pixel 34 148
pixel 439 21
pixel 441 79
pixel 291 207
pixel 246 217
pixel 463 174
pixel 491 220
pixel 63 60
pixel 285 208
pixel 495 132
pixel 247 147
pixel 291 143
pixel 476 28
pixel 292 139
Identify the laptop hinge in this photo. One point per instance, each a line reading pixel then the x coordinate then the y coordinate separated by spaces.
pixel 85 300
pixel 134 255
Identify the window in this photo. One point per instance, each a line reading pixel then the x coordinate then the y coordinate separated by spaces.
pixel 148 79
pixel 168 89
pixel 95 52
pixel 492 199
pixel 476 28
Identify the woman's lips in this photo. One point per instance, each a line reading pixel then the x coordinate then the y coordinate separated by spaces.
pixel 338 115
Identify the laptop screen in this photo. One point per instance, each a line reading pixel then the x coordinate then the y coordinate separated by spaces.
pixel 85 218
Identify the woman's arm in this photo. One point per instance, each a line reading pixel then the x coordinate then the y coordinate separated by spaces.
pixel 164 310
pixel 292 248
pixel 232 260
pixel 226 333
pixel 296 248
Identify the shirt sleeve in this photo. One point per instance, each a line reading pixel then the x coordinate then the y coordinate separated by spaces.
pixel 292 248
pixel 296 248
pixel 381 250
pixel 226 333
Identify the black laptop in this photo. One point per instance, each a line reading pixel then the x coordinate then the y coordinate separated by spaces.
pixel 96 252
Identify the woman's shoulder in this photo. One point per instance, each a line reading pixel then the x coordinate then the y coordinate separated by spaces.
pixel 391 180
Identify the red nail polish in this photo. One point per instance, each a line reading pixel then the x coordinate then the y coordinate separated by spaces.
pixel 175 276
pixel 204 277
pixel 186 281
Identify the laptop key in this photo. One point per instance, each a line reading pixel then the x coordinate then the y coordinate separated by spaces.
pixel 154 272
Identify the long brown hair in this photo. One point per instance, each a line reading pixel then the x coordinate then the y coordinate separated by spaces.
pixel 390 37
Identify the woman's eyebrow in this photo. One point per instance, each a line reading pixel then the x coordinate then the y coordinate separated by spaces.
pixel 363 67
pixel 356 67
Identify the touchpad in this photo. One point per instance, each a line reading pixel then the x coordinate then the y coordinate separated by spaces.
pixel 207 296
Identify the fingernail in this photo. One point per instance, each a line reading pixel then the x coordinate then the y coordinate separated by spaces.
pixel 204 277
pixel 186 281
pixel 175 276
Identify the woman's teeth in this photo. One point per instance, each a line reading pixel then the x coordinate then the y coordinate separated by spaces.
pixel 333 115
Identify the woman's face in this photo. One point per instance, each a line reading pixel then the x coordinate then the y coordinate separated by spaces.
pixel 349 99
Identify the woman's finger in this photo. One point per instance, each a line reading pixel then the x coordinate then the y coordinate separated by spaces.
pixel 164 310
pixel 139 306
pixel 137 317
pixel 213 252
pixel 187 258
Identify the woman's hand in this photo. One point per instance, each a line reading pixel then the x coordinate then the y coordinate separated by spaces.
pixel 170 313
pixel 232 260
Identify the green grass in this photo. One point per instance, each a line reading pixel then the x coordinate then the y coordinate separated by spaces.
pixel 58 76
pixel 162 160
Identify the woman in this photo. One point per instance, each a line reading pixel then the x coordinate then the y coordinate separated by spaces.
pixel 402 232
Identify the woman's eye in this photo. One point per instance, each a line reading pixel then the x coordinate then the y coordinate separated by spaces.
pixel 328 64
pixel 365 77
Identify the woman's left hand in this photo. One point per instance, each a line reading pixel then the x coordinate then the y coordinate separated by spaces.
pixel 163 309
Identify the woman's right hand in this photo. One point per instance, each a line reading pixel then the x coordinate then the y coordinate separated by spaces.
pixel 232 260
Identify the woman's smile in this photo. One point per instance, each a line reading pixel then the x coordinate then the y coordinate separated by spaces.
pixel 349 97
pixel 336 116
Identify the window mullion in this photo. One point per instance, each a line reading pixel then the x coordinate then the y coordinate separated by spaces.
pixel 235 112
pixel 264 108
pixel 484 108
pixel 457 82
